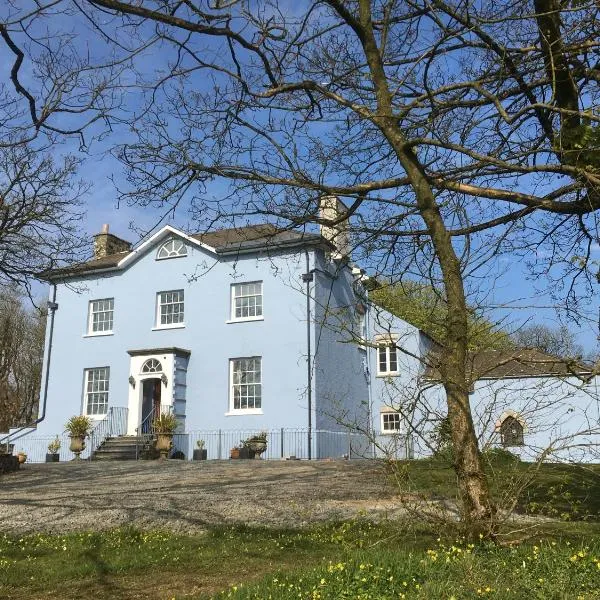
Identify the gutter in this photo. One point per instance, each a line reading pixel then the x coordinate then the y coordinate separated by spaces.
pixel 307 278
pixel 52 306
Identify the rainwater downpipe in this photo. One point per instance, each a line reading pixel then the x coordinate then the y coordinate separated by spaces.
pixel 307 278
pixel 52 306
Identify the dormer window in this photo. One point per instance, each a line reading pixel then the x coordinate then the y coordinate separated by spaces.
pixel 171 249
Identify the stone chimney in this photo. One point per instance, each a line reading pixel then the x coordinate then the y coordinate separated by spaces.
pixel 106 243
pixel 331 209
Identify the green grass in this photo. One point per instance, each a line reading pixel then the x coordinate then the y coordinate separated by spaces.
pixel 127 563
pixel 565 492
pixel 545 571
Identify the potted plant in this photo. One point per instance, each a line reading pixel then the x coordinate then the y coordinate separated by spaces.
pixel 53 447
pixel 7 449
pixel 164 427
pixel 234 452
pixel 78 428
pixel 200 452
pixel 257 444
pixel 22 457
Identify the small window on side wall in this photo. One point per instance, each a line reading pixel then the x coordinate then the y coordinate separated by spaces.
pixel 390 422
pixel 172 248
pixel 511 432
pixel 387 359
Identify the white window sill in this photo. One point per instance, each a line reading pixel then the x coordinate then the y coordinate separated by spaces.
pixel 96 417
pixel 245 320
pixel 246 411
pixel 98 334
pixel 390 374
pixel 176 326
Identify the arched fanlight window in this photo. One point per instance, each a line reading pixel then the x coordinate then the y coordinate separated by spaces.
pixel 511 432
pixel 171 249
pixel 152 366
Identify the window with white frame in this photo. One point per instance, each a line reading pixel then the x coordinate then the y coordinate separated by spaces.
pixel 100 318
pixel 390 422
pixel 169 308
pixel 387 359
pixel 246 301
pixel 96 391
pixel 172 249
pixel 245 383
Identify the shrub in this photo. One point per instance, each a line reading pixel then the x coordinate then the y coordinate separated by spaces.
pixel 54 446
pixel 79 426
pixel 165 423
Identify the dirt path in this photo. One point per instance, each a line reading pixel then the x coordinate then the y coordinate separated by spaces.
pixel 188 496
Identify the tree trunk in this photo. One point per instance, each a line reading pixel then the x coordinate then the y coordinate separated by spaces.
pixel 477 510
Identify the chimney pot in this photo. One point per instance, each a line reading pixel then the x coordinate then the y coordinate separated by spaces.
pixel 105 228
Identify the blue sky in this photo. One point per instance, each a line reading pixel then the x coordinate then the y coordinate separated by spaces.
pixel 510 286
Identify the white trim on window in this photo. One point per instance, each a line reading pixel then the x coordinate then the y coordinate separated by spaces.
pixel 391 422
pixel 170 306
pixel 387 359
pixel 95 392
pixel 172 248
pixel 245 385
pixel 246 301
pixel 100 317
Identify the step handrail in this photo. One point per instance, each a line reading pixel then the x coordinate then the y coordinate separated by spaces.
pixel 113 424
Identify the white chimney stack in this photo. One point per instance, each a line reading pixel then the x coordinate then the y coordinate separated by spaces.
pixel 332 208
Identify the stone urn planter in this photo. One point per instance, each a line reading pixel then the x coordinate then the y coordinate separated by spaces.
pixel 77 445
pixel 256 444
pixel 164 427
pixel 78 428
pixel 164 441
pixel 257 447
pixel 21 457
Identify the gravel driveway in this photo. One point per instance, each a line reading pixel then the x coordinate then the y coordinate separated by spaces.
pixel 188 496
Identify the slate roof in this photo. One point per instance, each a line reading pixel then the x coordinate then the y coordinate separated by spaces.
pixel 222 240
pixel 525 362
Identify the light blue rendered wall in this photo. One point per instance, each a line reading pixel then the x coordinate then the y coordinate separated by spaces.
pixel 280 339
pixel 561 415
pixel 340 369
pixel 400 392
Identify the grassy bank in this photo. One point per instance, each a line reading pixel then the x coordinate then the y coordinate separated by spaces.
pixel 560 491
pixel 320 562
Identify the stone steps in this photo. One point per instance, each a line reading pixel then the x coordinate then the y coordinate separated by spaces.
pixel 122 448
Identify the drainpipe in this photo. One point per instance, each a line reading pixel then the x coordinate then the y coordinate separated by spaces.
pixel 307 279
pixel 52 306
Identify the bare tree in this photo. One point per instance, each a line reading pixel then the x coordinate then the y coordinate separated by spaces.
pixel 454 130
pixel 557 341
pixel 21 352
pixel 39 213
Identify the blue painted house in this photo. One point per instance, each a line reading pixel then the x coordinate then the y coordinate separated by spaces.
pixel 234 331
pixel 255 329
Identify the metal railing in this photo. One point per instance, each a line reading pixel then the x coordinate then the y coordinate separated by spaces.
pixel 113 424
pixel 282 443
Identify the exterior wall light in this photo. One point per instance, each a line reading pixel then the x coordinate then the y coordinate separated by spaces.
pixel 132 381
pixel 164 379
